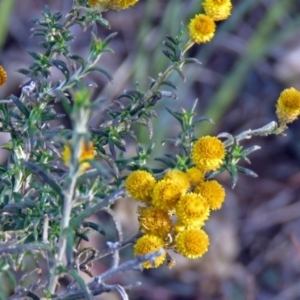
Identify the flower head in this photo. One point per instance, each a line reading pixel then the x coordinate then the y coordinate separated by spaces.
pixel 139 184
pixel 147 244
pixel 213 192
pixel 217 9
pixel 195 175
pixel 87 152
pixel 179 176
pixel 3 76
pixel 113 4
pixel 201 29
pixel 166 194
pixel 192 209
pixel 155 221
pixel 208 153
pixel 192 243
pixel 288 106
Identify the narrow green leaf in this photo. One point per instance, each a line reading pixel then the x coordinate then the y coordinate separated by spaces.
pixel 78 59
pixel 168 94
pixel 35 55
pixel 109 38
pixel 246 171
pixel 101 70
pixel 191 60
pixel 180 73
pixel 171 39
pixel 201 119
pixel 169 55
pixel 170 84
pixel 61 65
pixel 24 71
pixel 81 284
pixel 169 45
pixel 23 109
pixel 94 226
pixel 165 161
pixel 44 176
pixel 234 176
pixel 176 115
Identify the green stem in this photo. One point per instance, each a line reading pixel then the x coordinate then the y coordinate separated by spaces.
pixel 69 192
pixel 64 224
pixel 163 76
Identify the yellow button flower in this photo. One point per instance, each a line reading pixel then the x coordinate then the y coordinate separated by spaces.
pixel 192 209
pixel 288 106
pixel 147 244
pixel 208 153
pixel 155 221
pixel 218 10
pixel 195 175
pixel 113 4
pixel 213 192
pixel 87 152
pixel 180 177
pixel 166 194
pixel 139 184
pixel 201 29
pixel 3 76
pixel 192 243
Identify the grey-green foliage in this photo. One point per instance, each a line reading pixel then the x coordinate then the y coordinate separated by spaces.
pixel 43 204
pixel 34 183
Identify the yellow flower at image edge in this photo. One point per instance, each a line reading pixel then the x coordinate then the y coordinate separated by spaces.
pixel 288 106
pixel 208 153
pixel 113 4
pixel 155 221
pixel 213 192
pixel 139 184
pixel 3 76
pixel 87 152
pixel 201 29
pixel 218 10
pixel 192 243
pixel 147 244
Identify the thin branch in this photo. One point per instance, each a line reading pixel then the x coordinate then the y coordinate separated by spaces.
pixel 97 286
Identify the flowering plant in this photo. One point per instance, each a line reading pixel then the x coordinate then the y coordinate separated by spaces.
pixel 56 178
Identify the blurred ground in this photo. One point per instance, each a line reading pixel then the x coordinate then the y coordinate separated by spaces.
pixel 255 237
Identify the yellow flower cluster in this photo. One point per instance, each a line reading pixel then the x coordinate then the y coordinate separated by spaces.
pixel 112 4
pixel 202 27
pixel 3 76
pixel 179 204
pixel 288 106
